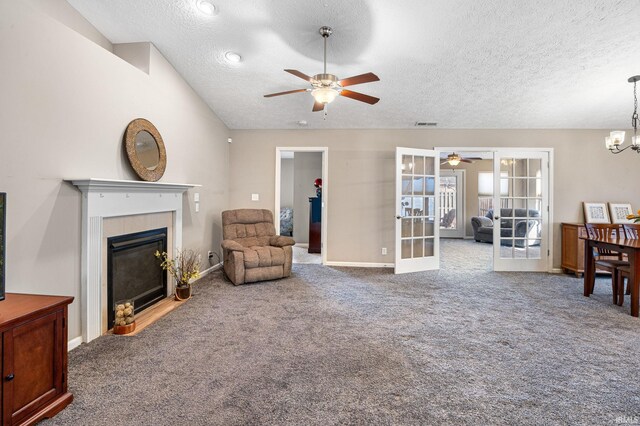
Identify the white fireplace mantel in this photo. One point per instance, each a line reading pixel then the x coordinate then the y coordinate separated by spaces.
pixel 103 198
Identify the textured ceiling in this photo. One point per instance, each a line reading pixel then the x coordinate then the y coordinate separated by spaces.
pixel 460 63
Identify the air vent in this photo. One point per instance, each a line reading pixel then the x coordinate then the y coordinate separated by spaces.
pixel 425 124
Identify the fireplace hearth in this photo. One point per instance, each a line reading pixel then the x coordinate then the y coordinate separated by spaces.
pixel 133 271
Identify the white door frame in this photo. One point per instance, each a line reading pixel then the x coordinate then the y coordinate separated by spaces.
pixel 461 194
pixel 422 262
pixel 325 190
pixel 550 189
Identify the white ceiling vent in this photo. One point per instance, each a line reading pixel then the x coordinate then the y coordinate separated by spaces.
pixel 425 124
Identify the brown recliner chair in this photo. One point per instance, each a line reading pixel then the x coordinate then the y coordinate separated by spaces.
pixel 251 249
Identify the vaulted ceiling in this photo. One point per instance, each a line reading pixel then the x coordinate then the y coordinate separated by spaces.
pixel 460 63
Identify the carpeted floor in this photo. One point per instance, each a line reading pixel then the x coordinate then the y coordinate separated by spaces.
pixel 301 255
pixel 462 345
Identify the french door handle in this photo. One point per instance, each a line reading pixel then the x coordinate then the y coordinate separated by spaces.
pixel 398 217
pixel 9 377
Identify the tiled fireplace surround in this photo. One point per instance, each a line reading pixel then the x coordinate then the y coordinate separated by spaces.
pixel 117 207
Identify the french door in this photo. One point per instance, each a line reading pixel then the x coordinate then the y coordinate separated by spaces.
pixel 417 219
pixel 521 211
pixel 451 208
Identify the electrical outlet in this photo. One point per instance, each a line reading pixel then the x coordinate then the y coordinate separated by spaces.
pixel 384 251
pixel 255 197
pixel 209 254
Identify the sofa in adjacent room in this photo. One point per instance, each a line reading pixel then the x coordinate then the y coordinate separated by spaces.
pixel 513 223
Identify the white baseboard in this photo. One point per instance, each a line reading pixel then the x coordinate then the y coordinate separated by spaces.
pixel 557 271
pixel 208 271
pixel 361 264
pixel 74 343
pixel 303 245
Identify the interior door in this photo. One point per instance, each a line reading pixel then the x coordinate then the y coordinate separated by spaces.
pixel 451 208
pixel 521 211
pixel 417 223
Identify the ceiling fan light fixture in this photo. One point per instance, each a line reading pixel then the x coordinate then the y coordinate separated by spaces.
pixel 324 95
pixel 232 57
pixel 614 141
pixel 454 162
pixel 206 7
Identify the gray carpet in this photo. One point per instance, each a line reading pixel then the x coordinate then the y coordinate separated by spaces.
pixel 463 345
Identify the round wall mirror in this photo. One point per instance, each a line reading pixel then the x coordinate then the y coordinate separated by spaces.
pixel 145 150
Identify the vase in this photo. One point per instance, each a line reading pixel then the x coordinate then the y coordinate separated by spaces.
pixel 183 292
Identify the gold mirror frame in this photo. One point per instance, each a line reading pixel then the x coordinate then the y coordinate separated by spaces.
pixel 133 128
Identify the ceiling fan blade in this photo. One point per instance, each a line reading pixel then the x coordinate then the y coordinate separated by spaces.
pixel 317 106
pixel 285 93
pixel 358 79
pixel 466 160
pixel 359 96
pixel 473 158
pixel 300 74
pixel 444 162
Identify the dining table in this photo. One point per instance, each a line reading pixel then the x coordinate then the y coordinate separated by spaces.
pixel 630 247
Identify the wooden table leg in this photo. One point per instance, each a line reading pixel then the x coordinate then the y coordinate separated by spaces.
pixel 634 260
pixel 589 269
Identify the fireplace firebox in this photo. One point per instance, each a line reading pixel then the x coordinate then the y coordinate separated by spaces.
pixel 133 271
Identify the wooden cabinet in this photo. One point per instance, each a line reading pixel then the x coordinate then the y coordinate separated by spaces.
pixel 315 224
pixel 573 248
pixel 33 332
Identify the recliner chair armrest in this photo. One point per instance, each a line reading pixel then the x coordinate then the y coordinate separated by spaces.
pixel 231 245
pixel 481 221
pixel 527 228
pixel 281 241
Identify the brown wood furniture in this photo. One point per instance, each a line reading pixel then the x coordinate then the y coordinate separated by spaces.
pixel 573 248
pixel 33 343
pixel 605 258
pixel 630 247
pixel 631 232
pixel 315 225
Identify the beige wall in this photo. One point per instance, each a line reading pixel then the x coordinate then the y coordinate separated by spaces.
pixel 360 198
pixel 65 104
pixel 286 182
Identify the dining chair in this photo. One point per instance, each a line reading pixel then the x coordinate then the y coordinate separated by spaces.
pixel 605 259
pixel 631 232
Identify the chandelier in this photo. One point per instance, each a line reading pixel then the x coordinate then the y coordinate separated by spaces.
pixel 614 141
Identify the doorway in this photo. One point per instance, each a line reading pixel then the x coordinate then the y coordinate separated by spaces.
pixel 301 191
pixel 452 203
pixel 513 188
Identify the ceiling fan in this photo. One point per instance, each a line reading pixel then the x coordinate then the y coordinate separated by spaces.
pixel 326 87
pixel 454 159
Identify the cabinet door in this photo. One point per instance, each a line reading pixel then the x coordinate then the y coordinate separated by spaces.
pixel 32 356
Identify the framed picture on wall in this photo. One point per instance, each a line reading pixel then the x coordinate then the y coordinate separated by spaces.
pixel 619 212
pixel 596 213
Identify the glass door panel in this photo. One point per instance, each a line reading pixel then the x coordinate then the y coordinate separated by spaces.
pixel 451 206
pixel 520 225
pixel 417 195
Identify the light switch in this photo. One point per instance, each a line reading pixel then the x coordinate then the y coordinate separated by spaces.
pixel 255 197
pixel 197 207
pixel 196 197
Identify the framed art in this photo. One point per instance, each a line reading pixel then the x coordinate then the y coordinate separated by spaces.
pixel 596 213
pixel 619 212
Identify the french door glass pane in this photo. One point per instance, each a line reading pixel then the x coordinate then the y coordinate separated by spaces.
pixel 521 226
pixel 417 206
